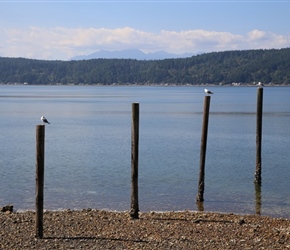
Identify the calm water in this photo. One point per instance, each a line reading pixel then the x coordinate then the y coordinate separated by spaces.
pixel 88 148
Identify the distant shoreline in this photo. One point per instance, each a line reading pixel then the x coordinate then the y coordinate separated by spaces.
pixel 152 85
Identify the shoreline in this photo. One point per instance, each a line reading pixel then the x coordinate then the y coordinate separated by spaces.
pixel 151 85
pixel 20 211
pixel 101 229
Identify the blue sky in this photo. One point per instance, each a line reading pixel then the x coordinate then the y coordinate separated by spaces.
pixel 63 29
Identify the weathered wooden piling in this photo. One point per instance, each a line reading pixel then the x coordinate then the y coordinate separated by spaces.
pixel 200 206
pixel 258 173
pixel 206 106
pixel 258 196
pixel 134 161
pixel 40 138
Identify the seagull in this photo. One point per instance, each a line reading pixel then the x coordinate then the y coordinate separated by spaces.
pixel 260 84
pixel 44 120
pixel 208 92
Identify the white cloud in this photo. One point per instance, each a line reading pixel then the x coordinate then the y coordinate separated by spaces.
pixel 257 39
pixel 63 43
pixel 257 35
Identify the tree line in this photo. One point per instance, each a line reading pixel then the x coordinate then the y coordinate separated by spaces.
pixel 239 66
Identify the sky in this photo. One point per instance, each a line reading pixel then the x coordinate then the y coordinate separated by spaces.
pixel 60 30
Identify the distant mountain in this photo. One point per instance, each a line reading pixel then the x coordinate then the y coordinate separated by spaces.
pixel 131 54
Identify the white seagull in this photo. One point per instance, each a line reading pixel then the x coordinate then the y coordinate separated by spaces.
pixel 44 120
pixel 208 92
pixel 260 84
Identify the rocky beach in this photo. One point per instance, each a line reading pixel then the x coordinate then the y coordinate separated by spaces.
pixel 99 229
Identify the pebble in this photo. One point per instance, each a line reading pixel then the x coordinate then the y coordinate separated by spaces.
pixel 100 229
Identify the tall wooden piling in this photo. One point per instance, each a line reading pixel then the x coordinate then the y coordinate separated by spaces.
pixel 134 161
pixel 40 138
pixel 258 196
pixel 258 177
pixel 206 106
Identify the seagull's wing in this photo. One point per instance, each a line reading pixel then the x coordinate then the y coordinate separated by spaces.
pixel 44 120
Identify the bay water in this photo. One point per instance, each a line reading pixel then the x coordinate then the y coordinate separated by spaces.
pixel 88 148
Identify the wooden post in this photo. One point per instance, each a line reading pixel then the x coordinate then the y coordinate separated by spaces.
pixel 258 195
pixel 200 206
pixel 134 161
pixel 206 106
pixel 40 136
pixel 258 178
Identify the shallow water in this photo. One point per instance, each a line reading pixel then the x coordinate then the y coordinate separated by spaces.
pixel 88 148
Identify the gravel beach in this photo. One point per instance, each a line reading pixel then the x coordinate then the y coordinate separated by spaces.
pixel 98 229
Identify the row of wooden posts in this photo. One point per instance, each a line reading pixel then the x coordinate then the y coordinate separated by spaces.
pixel 134 211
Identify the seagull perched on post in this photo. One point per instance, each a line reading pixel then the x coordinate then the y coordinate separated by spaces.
pixel 44 120
pixel 208 92
pixel 260 84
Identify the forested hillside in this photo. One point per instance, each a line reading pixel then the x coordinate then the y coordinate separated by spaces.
pixel 248 66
